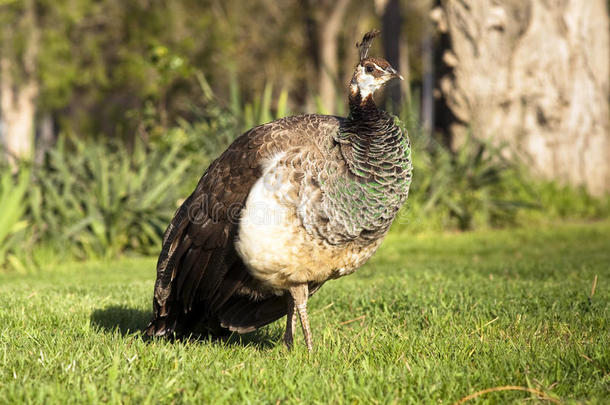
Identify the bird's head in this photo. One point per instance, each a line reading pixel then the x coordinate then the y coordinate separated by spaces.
pixel 371 73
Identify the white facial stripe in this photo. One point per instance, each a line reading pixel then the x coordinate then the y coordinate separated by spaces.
pixel 367 83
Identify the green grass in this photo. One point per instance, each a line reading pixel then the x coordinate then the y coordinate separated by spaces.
pixel 430 319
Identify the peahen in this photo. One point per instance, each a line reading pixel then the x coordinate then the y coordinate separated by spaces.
pixel 288 206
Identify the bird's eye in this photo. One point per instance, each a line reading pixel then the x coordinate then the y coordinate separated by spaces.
pixel 369 69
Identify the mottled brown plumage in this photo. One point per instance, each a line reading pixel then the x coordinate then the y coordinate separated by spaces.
pixel 288 206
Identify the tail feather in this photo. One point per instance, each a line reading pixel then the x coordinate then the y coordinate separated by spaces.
pixel 244 315
pixel 162 326
pixel 187 290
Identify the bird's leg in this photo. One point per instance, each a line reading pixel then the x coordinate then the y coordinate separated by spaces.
pixel 291 319
pixel 300 294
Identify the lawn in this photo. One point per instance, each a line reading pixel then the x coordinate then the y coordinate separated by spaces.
pixel 430 319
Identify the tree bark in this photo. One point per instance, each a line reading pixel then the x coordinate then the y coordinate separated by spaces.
pixel 45 138
pixel 330 25
pixel 428 111
pixel 534 74
pixel 390 14
pixel 19 86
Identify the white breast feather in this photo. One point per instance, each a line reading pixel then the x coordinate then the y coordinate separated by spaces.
pixel 264 239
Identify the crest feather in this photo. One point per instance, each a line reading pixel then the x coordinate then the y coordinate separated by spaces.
pixel 367 40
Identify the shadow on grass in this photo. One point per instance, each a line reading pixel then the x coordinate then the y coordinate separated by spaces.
pixel 262 339
pixel 125 320
pixel 130 320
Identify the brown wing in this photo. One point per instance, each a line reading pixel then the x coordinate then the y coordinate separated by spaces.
pixel 198 271
pixel 202 285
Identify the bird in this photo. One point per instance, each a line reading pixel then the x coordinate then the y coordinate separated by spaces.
pixel 289 205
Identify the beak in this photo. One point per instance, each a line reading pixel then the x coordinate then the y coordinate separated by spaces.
pixel 393 73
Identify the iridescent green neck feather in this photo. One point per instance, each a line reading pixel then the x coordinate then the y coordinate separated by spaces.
pixel 378 155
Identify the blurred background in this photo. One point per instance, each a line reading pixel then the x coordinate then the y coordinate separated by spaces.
pixel 111 110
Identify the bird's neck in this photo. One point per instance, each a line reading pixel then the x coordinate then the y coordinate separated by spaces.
pixel 372 135
pixel 368 124
pixel 362 107
pixel 377 155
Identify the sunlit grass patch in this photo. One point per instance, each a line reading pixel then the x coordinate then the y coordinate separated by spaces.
pixel 429 319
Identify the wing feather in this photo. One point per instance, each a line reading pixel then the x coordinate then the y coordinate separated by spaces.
pixel 201 281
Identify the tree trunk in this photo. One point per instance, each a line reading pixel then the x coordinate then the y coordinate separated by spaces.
pixel 390 15
pixel 18 94
pixel 428 111
pixel 45 137
pixel 330 25
pixel 310 30
pixel 18 110
pixel 534 74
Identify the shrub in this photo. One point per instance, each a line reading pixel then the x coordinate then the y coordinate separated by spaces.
pixel 475 186
pixel 98 199
pixel 93 198
pixel 13 221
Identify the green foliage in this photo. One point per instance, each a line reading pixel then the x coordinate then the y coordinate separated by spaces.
pixel 13 221
pixel 568 202
pixel 478 186
pixel 94 198
pixel 95 60
pixel 215 126
pixel 475 186
pixel 429 320
pixel 98 199
pixel 134 71
pixel 259 110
